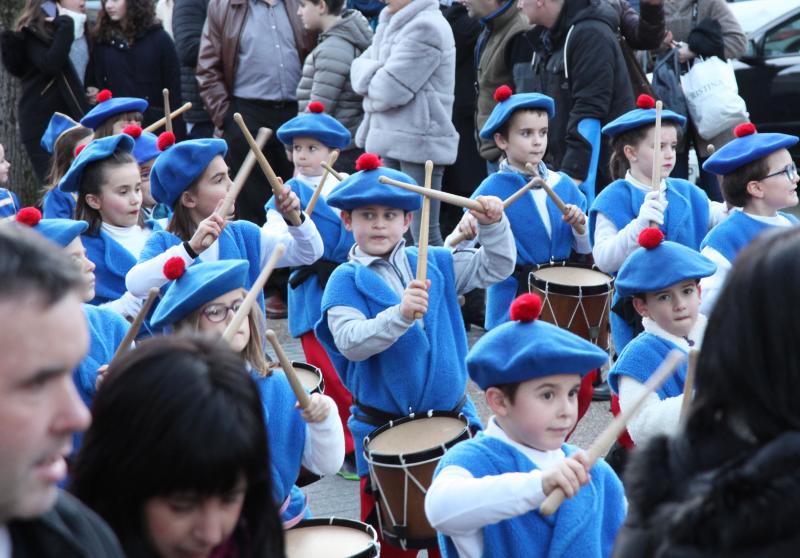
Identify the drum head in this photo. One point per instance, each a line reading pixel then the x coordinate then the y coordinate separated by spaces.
pixel 309 375
pixel 417 435
pixel 333 538
pixel 566 279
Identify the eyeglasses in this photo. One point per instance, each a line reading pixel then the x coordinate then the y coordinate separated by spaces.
pixel 216 313
pixel 790 171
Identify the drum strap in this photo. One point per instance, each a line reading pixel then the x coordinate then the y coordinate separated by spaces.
pixel 377 417
pixel 321 268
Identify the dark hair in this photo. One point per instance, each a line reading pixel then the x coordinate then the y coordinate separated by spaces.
pixel 504 127
pixel 63 155
pixel 106 128
pixel 181 223
pixel 335 7
pixel 94 175
pixel 734 185
pixel 178 414
pixel 140 15
pixel 33 16
pixel 618 164
pixel 32 265
pixel 748 372
pixel 509 390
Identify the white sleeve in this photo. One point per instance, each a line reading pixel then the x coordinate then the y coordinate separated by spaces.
pixel 656 416
pixel 580 242
pixel 613 246
pixel 710 287
pixel 145 275
pixel 717 213
pixel 303 244
pixel 323 453
pixel 359 338
pixel 275 223
pixel 458 504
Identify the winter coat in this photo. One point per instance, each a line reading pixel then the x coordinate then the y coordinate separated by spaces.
pixel 678 20
pixel 718 496
pixel 407 78
pixel 51 83
pixel 594 84
pixel 142 70
pixel 326 71
pixel 188 18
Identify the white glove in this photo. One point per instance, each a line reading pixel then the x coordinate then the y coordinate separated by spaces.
pixel 127 305
pixel 652 209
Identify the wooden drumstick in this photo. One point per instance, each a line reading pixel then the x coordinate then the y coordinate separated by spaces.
pixel 711 149
pixel 252 294
pixel 461 237
pixel 288 369
pixel 607 437
pixel 238 182
pixel 125 345
pixel 167 115
pixel 445 197
pixel 174 114
pixel 331 170
pixel 688 384
pixel 579 227
pixel 277 185
pixel 656 177
pixel 326 171
pixel 424 225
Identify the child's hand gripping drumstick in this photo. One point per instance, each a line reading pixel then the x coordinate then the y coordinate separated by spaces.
pixel 422 256
pixel 572 214
pixel 241 177
pixel 326 171
pixel 302 397
pixel 605 440
pixel 277 184
pixel 252 294
pixel 174 114
pixel 125 345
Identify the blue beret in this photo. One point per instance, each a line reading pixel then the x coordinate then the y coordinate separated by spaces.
pixel 504 109
pixel 59 123
pixel 318 125
pixel 95 150
pixel 104 110
pixel 649 270
pixel 180 165
pixel 145 147
pixel 362 188
pixel 639 117
pixel 526 349
pixel 746 149
pixel 61 231
pixel 200 284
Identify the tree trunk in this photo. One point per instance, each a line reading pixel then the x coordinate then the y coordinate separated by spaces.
pixel 21 178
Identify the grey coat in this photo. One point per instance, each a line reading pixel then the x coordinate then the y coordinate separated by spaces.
pixel 326 71
pixel 407 78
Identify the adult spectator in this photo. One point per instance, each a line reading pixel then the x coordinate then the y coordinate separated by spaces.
pixel 250 60
pixel 133 56
pixel 40 408
pixel 49 53
pixel 578 62
pixel 188 18
pixel 501 22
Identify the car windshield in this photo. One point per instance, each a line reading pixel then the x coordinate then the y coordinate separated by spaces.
pixel 754 14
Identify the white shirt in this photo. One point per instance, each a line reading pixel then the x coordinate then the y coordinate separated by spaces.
pixel 323 453
pixel 460 506
pixel 132 238
pixel 5 542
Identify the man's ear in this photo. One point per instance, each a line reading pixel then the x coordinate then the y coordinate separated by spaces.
pixel 497 401
pixel 188 200
pixel 347 219
pixel 93 201
pixel 640 305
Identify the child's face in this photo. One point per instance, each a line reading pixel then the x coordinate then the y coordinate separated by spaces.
pixel 120 196
pixel 308 154
pixel 544 411
pixel 116 10
pixel 640 157
pixel 209 190
pixel 776 192
pixel 527 138
pixel 4 165
pixel 674 309
pixel 311 14
pixel 376 228
pixel 144 174
pixel 77 253
pixel 217 314
pixel 120 124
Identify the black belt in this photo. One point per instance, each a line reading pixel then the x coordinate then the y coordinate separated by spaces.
pixel 624 309
pixel 321 268
pixel 521 273
pixel 377 417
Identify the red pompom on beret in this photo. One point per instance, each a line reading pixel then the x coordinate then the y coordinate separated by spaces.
pixel 174 268
pixel 132 130
pixel 502 93
pixel 650 238
pixel 165 140
pixel 316 107
pixel 645 102
pixel 746 129
pixel 368 161
pixel 526 308
pixel 29 216
pixel 103 95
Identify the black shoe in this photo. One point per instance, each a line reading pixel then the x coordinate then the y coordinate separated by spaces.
pixel 601 392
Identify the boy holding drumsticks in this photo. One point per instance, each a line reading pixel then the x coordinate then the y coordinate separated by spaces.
pixel 392 363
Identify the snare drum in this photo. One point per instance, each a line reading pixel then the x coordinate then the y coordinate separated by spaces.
pixel 332 538
pixel 575 298
pixel 402 457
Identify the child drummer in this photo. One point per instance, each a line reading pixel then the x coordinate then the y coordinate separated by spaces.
pixel 486 492
pixel 392 363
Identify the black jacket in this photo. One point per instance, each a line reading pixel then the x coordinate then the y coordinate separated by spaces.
pixel 188 18
pixel 465 32
pixel 594 84
pixel 719 497
pixel 69 530
pixel 141 70
pixel 50 83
